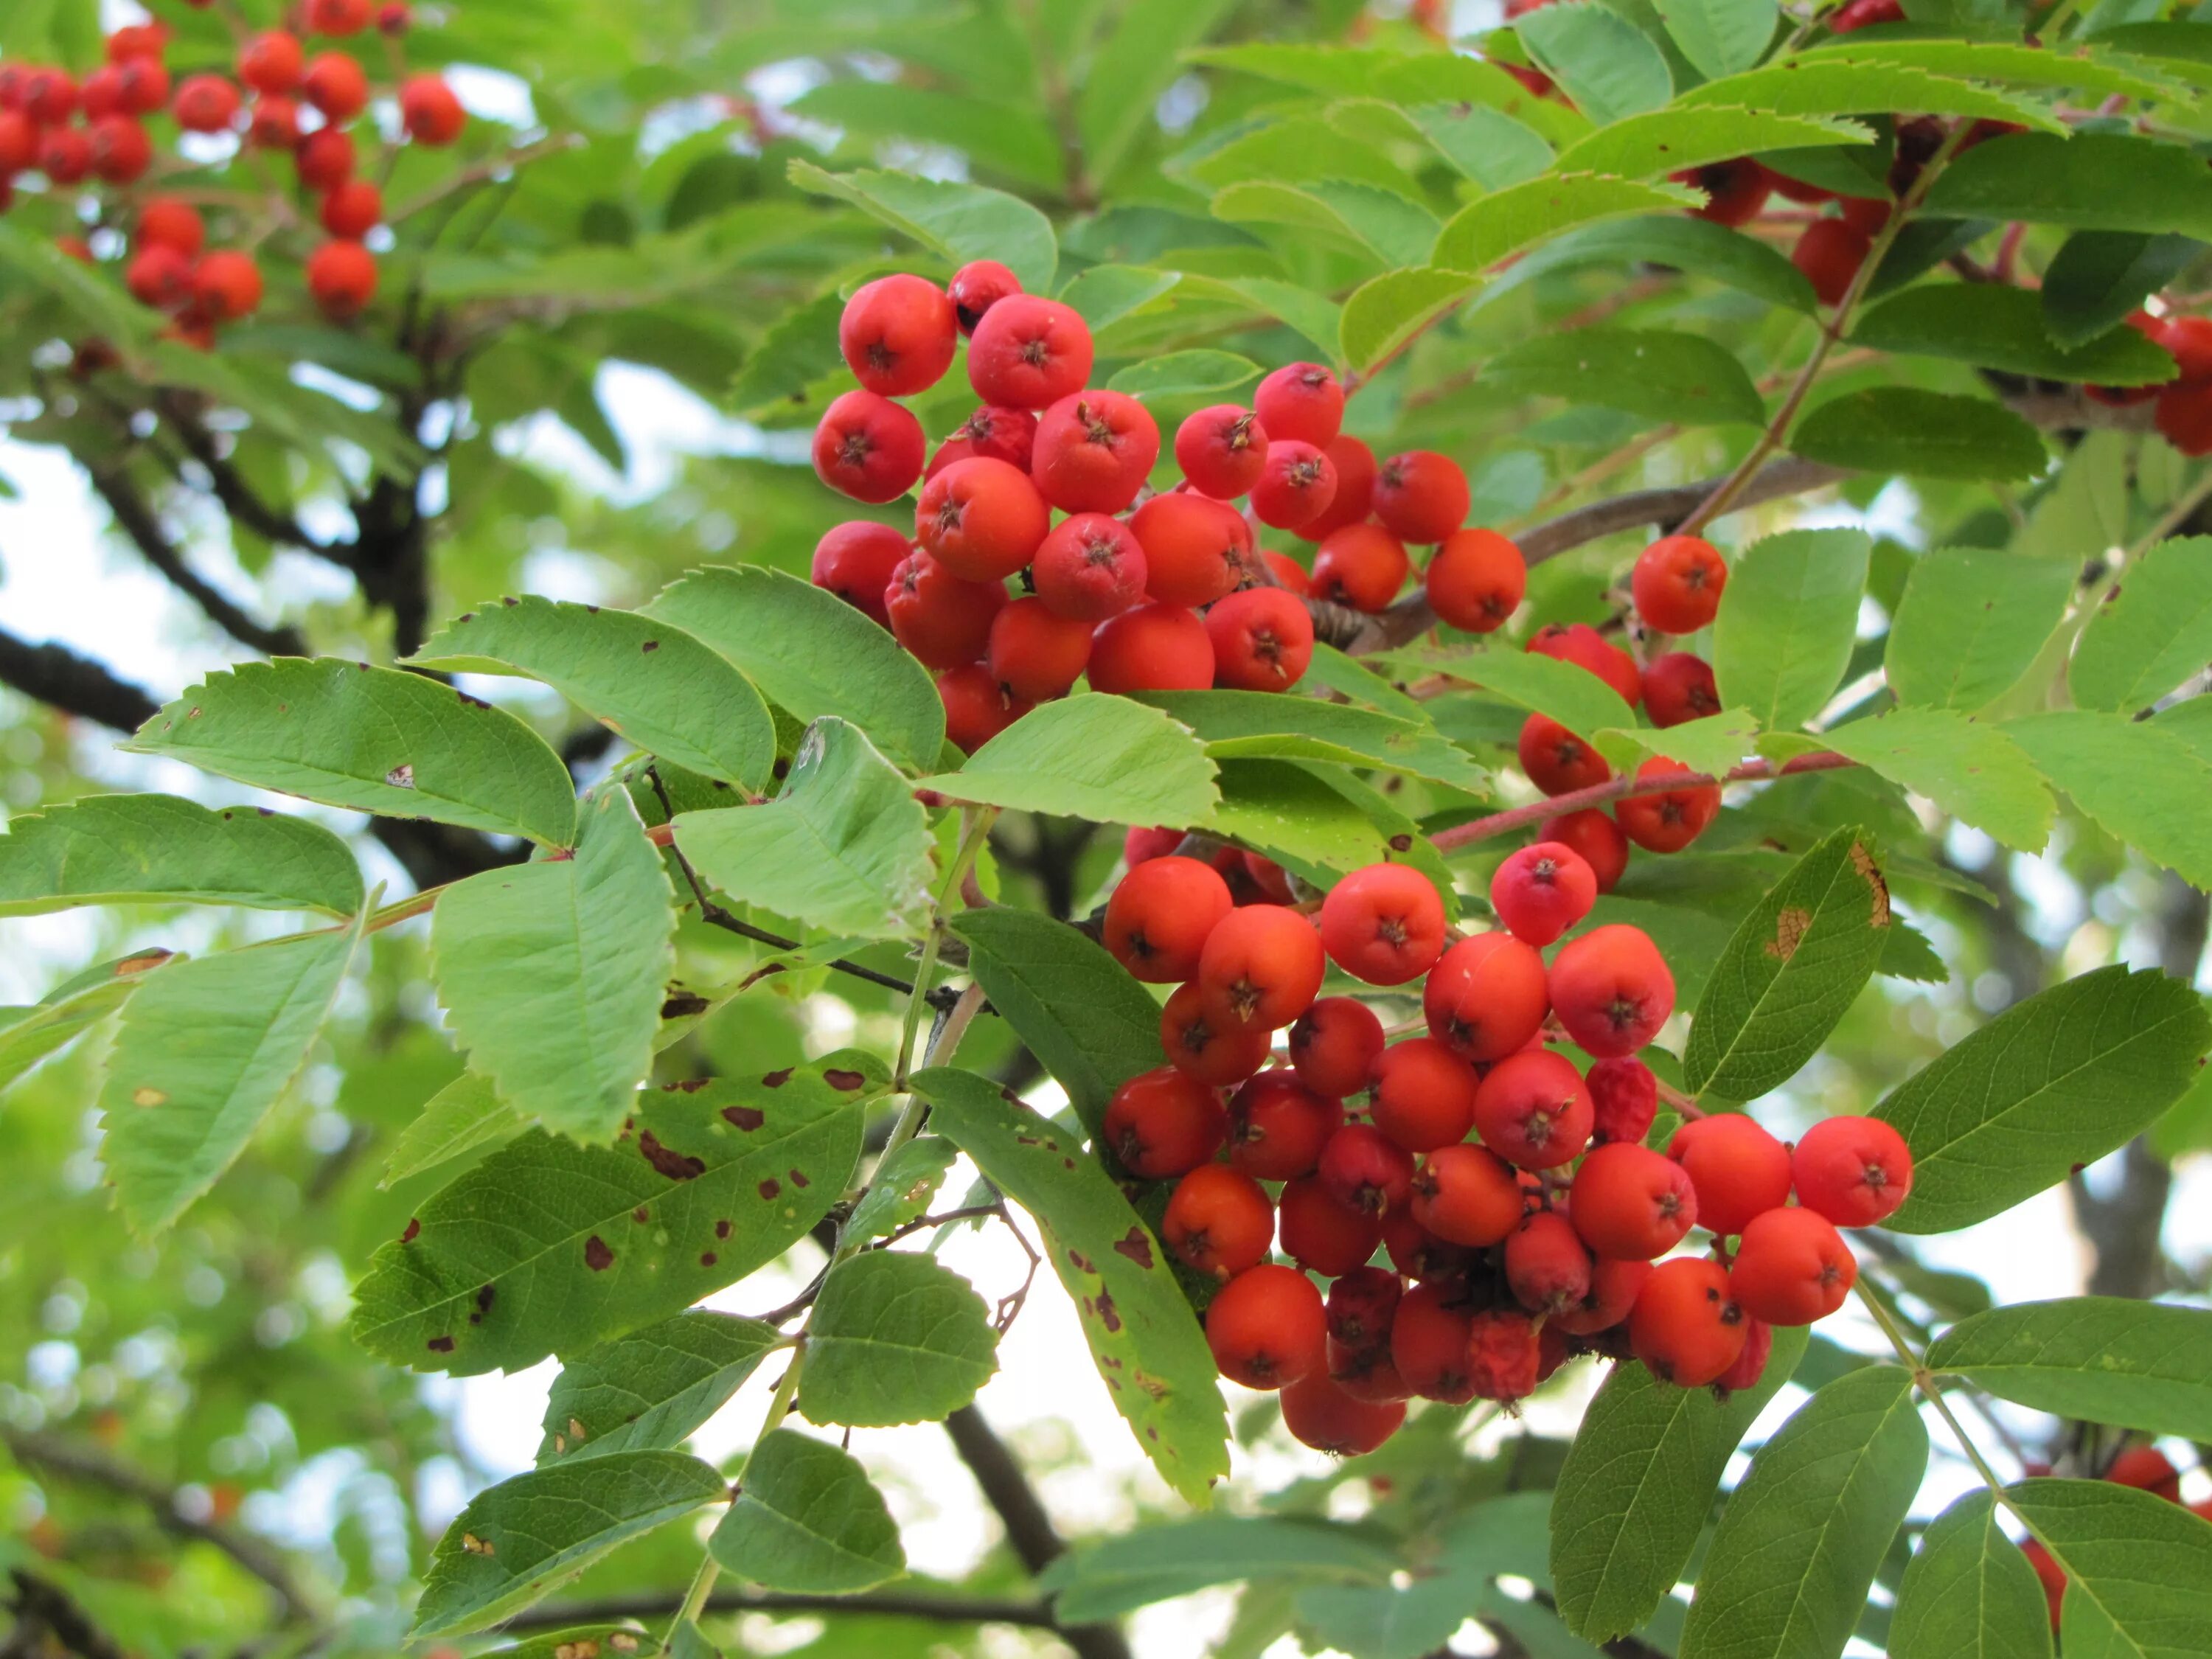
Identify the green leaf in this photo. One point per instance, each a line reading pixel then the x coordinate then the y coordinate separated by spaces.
pixel 1800 1541
pixel 1508 220
pixel 1186 374
pixel 2090 181
pixel 798 348
pixel 895 1338
pixel 1712 744
pixel 1107 759
pixel 1636 1488
pixel 1926 435
pixel 2069 66
pixel 126 849
pixel 2098 276
pixel 28 1035
pixel 1969 1592
pixel 2153 632
pixel 1574 697
pixel 1974 772
pixel 374 740
pixel 1997 327
pixel 553 973
pixel 1660 374
pixel 2140 1567
pixel 649 1390
pixel 1721 37
pixel 1669 141
pixel 1147 1341
pixel 812 655
pixel 2141 779
pixel 806 1520
pixel 526 1535
pixel 1458 1563
pixel 2102 1359
pixel 1791 972
pixel 465 1114
pixel 1087 1022
pixel 1686 243
pixel 959 221
pixel 1105 294
pixel 1349 677
pixel 1601 60
pixel 1319 822
pixel 1835 83
pixel 845 847
pixel 900 1190
pixel 1972 620
pixel 1132 66
pixel 1788 622
pixel 1387 311
pixel 204 1050
pixel 647 680
pixel 547 1246
pixel 1482 143
pixel 995 132
pixel 1238 724
pixel 1158 1563
pixel 90 293
pixel 1299 145
pixel 2052 1083
pixel 1394 228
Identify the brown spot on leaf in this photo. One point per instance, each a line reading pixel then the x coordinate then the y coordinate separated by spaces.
pixel 1106 1315
pixel 690 1085
pixel 747 1118
pixel 148 1096
pixel 847 1082
pixel 650 645
pixel 1789 931
pixel 597 1256
pixel 679 1003
pixel 706 1258
pixel 1862 861
pixel 1136 1246
pixel 798 1179
pixel 401 777
pixel 641 1215
pixel 666 1160
pixel 140 964
pixel 1401 843
pixel 475 1546
pixel 413 1226
pixel 776 1079
pixel 770 1187
pixel 721 1228
pixel 485 1294
pixel 441 1344
pixel 576 1431
pixel 1081 1263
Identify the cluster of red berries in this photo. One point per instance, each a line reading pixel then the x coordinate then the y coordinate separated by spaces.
pixel 1135 590
pixel 1513 1190
pixel 2144 1467
pixel 2184 403
pixel 72 132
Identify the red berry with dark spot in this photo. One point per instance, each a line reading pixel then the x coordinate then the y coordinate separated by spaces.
pixel 1611 989
pixel 1735 191
pixel 1591 833
pixel 855 561
pixel 1221 450
pixel 1196 549
pixel 1302 401
pixel 1542 891
pixel 1476 580
pixel 1854 1170
pixel 1354 462
pixel 1266 1327
pixel 159 275
pixel 1367 1373
pixel 1383 924
pixel 1035 653
pixel 1740 1171
pixel 1686 1326
pixel 49 95
pixel 1423 1095
pixel 167 222
pixel 1631 1203
pixel 976 707
pixel 1546 1265
pixel 66 155
pixel 1557 761
pixel 121 152
pixel 1678 687
pixel 1429 1343
pixel 1751 1364
pixel 1364 1170
pixel 998 434
pixel 227 285
pixel 897 334
pixel 353 210
pixel 1486 997
pixel 1152 647
pixel 1586 648
pixel 142 84
pixel 1466 1194
pixel 1203 1045
pixel 1094 451
pixel 205 103
pixel 1533 1110
pixel 975 287
pixel 1090 568
pixel 1678 583
pixel 945 622
pixel 1218 1221
pixel 1029 352
pixel 1320 1413
pixel 433 115
pixel 1277 1127
pixel 1296 485
pixel 1334 1045
pixel 1625 1097
pixel 1791 1266
pixel 1158 917
pixel 326 159
pixel 1667 820
pixel 1421 496
pixel 1362 565
pixel 981 518
pixel 1262 966
pixel 1262 638
pixel 867 448
pixel 1162 1124
pixel 1615 1282
pixel 1361 1305
pixel 1320 1232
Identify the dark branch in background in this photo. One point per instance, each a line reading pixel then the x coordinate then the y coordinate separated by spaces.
pixel 230 489
pixel 883 1604
pixel 44 1610
pixel 136 520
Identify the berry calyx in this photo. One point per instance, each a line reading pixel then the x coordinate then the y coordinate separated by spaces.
pixel 1542 891
pixel 1218 1222
pixel 1686 1326
pixel 1094 449
pixel 1267 1328
pixel 1159 916
pixel 1090 568
pixel 1162 1124
pixel 1792 1268
pixel 1678 581
pixel 1854 1170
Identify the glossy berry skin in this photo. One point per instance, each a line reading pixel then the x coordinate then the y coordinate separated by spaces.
pixel 1476 580
pixel 1302 401
pixel 2184 416
pixel 1686 1327
pixel 1152 647
pixel 1542 891
pixel 1204 1047
pixel 1140 845
pixel 274 124
pixel 1090 568
pixel 1320 1232
pixel 867 448
pixel 430 112
pixel 2048 1572
pixel 353 210
pixel 976 707
pixel 1615 1283
pixel 1533 1111
pixel 1631 1203
pixel 227 285
pixel 1584 647
pixel 1288 572
pixel 1364 1170
pixel 1221 450
pixel 1624 1098
pixel 1429 1343
pixel 1355 464
pixel 142 84
pixel 1383 924
pixel 1830 253
pixel 159 275
pixel 1504 1356
pixel 1466 1194
pixel 19 143
pixel 1277 1126
pixel 1157 918
pixel 335 84
pixel 1678 687
pixel 975 287
pixel 897 334
pixel 1295 486
pixel 1162 1124
pixel 2147 1469
pixel 1593 835
pixel 1262 967
pixel 1029 352
pixel 1734 192
pixel 1262 640
pixel 1792 1268
pixel 1423 1095
pixel 1094 450
pixel 1361 1305
pixel 855 561
pixel 1001 435
pixel 1677 583
pixel 1854 1170
pixel 1739 1169
pixel 1418 1253
pixel 66 155
pixel 338 16
pixel 981 518
pixel 342 276
pixel 942 621
pixel 204 103
pixel 1611 989
pixel 1666 820
pixel 1266 1327
pixel 1035 653
pixel 1196 549
pixel 1421 496
pixel 1320 1413
pixel 1486 997
pixel 167 222
pixel 1547 1266
pixel 1557 761
pixel 121 151
pixel 1751 1364
pixel 1362 565
pixel 271 63
pixel 326 159
pixel 1334 1045
pixel 1218 1222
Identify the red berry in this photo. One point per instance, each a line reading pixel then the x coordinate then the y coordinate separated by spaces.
pixel 1542 891
pixel 945 622
pixel 1355 488
pixel 2146 1469
pixel 1262 640
pixel 1678 582
pixel 1859 14
pixel 143 85
pixel 2188 341
pixel 1611 989
pixel 1367 1373
pixel 1001 435
pixel 855 561
pixel 1503 1355
pixel 136 40
pixel 49 95
pixel 65 154
pixel 975 287
pixel 1421 496
pixel 1558 762
pixel 338 16
pixel 1615 1283
pixel 121 152
pixel 1740 1171
pixel 1533 1110
pixel 1365 1169
pixel 1476 580
pixel 1423 1095
pixel 1596 837
pixel 205 103
pixel 433 115
pixel 1751 1364
pixel 1266 1328
pixel 1669 819
pixel 1162 1124
pixel 1196 549
pixel 1029 352
pixel 1262 967
pixel 1546 1265
pixel 1320 1413
pixel 1090 568
pixel 1679 687
pixel 1277 1126
pixel 1630 1202
pixel 1686 1326
pixel 1221 450
pixel 1288 572
pixel 1094 451
pixel 353 210
pixel 1854 1170
pixel 227 286
pixel 1205 1047
pixel 1295 486
pixel 1334 1045
pixel 1734 192
pixel 167 222
pixel 335 84
pixel 1153 647
pixel 867 448
pixel 1791 1266
pixel 2184 416
pixel 1466 1194
pixel 1419 1253
pixel 1383 924
pixel 1624 1096
pixel 1830 253
pixel 1320 1232
pixel 976 707
pixel 159 275
pixel 2051 1576
pixel 394 18
pixel 1036 654
pixel 982 520
pixel 898 335
pixel 101 93
pixel 1302 401
pixel 1140 845
pixel 1429 1342
pixel 1361 1305
pixel 1486 997
pixel 326 159
pixel 1584 647
pixel 19 143
pixel 1362 565
pixel 271 63
pixel 1158 917
pixel 1218 1221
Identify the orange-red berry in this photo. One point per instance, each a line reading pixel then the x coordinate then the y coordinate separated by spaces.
pixel 1094 449
pixel 1160 916
pixel 1152 647
pixel 1221 450
pixel 1466 1194
pixel 1161 1124
pixel 1277 1127
pixel 1533 1111
pixel 1421 496
pixel 1854 1170
pixel 1476 580
pixel 1631 1203
pixel 1262 638
pixel 1611 989
pixel 1266 1327
pixel 975 287
pixel 1334 1045
pixel 1542 891
pixel 897 334
pixel 982 520
pixel 1302 401
pixel 1217 1221
pixel 1320 1413
pixel 1791 1266
pixel 1204 1045
pixel 1035 653
pixel 1424 1094
pixel 1486 996
pixel 867 446
pixel 1687 1325
pixel 1677 582
pixel 855 561
pixel 1739 1169
pixel 943 621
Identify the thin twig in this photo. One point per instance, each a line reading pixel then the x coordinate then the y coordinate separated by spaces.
pixel 136 520
pixel 1620 789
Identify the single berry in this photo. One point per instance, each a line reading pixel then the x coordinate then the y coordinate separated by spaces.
pixel 1734 192
pixel 1679 686
pixel 942 621
pixel 998 434
pixel 1302 401
pixel 976 707
pixel 326 159
pixel 1677 583
pixel 1667 820
pixel 1266 1327
pixel 1586 648
pixel 1791 1266
pixel 1277 1126
pixel 1153 647
pixel 1367 1373
pixel 1486 997
pixel 1196 549
pixel 1476 580
pixel 1419 1253
pixel 227 285
pixel 1611 989
pixel 1686 1326
pixel 433 115
pixel 1542 891
pixel 1624 1097
pixel 855 561
pixel 1094 451
pixel 975 287
pixel 1204 1045
pixel 66 155
pixel 1334 1045
pixel 1533 1110
pixel 1591 833
pixel 1504 1355
pixel 159 275
pixel 1385 924
pixel 1262 966
pixel 1615 1283
pixel 1429 1342
pixel 1361 1305
pixel 1740 1171
pixel 1630 1202
pixel 1365 1169
pixel 335 84
pixel 1547 1266
pixel 1262 639
pixel 1320 1231
pixel 1090 568
pixel 981 518
pixel 1295 486
pixel 338 16
pixel 1221 450
pixel 166 222
pixel 1162 1124
pixel 353 210
pixel 143 85
pixel 1158 917
pixel 1751 1364
pixel 1421 496
pixel 1029 352
pixel 204 103
pixel 1354 462
pixel 49 95
pixel 1288 572
pixel 1038 654
pixel 342 276
pixel 1218 1221
pixel 2147 1469
pixel 271 63
pixel 1141 846
pixel 1466 1194
pixel 1830 253
pixel 1362 565
pixel 897 334
pixel 1320 1413
pixel 2048 1572
pixel 1854 1170
pixel 1423 1095
pixel 1557 761
pixel 867 448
